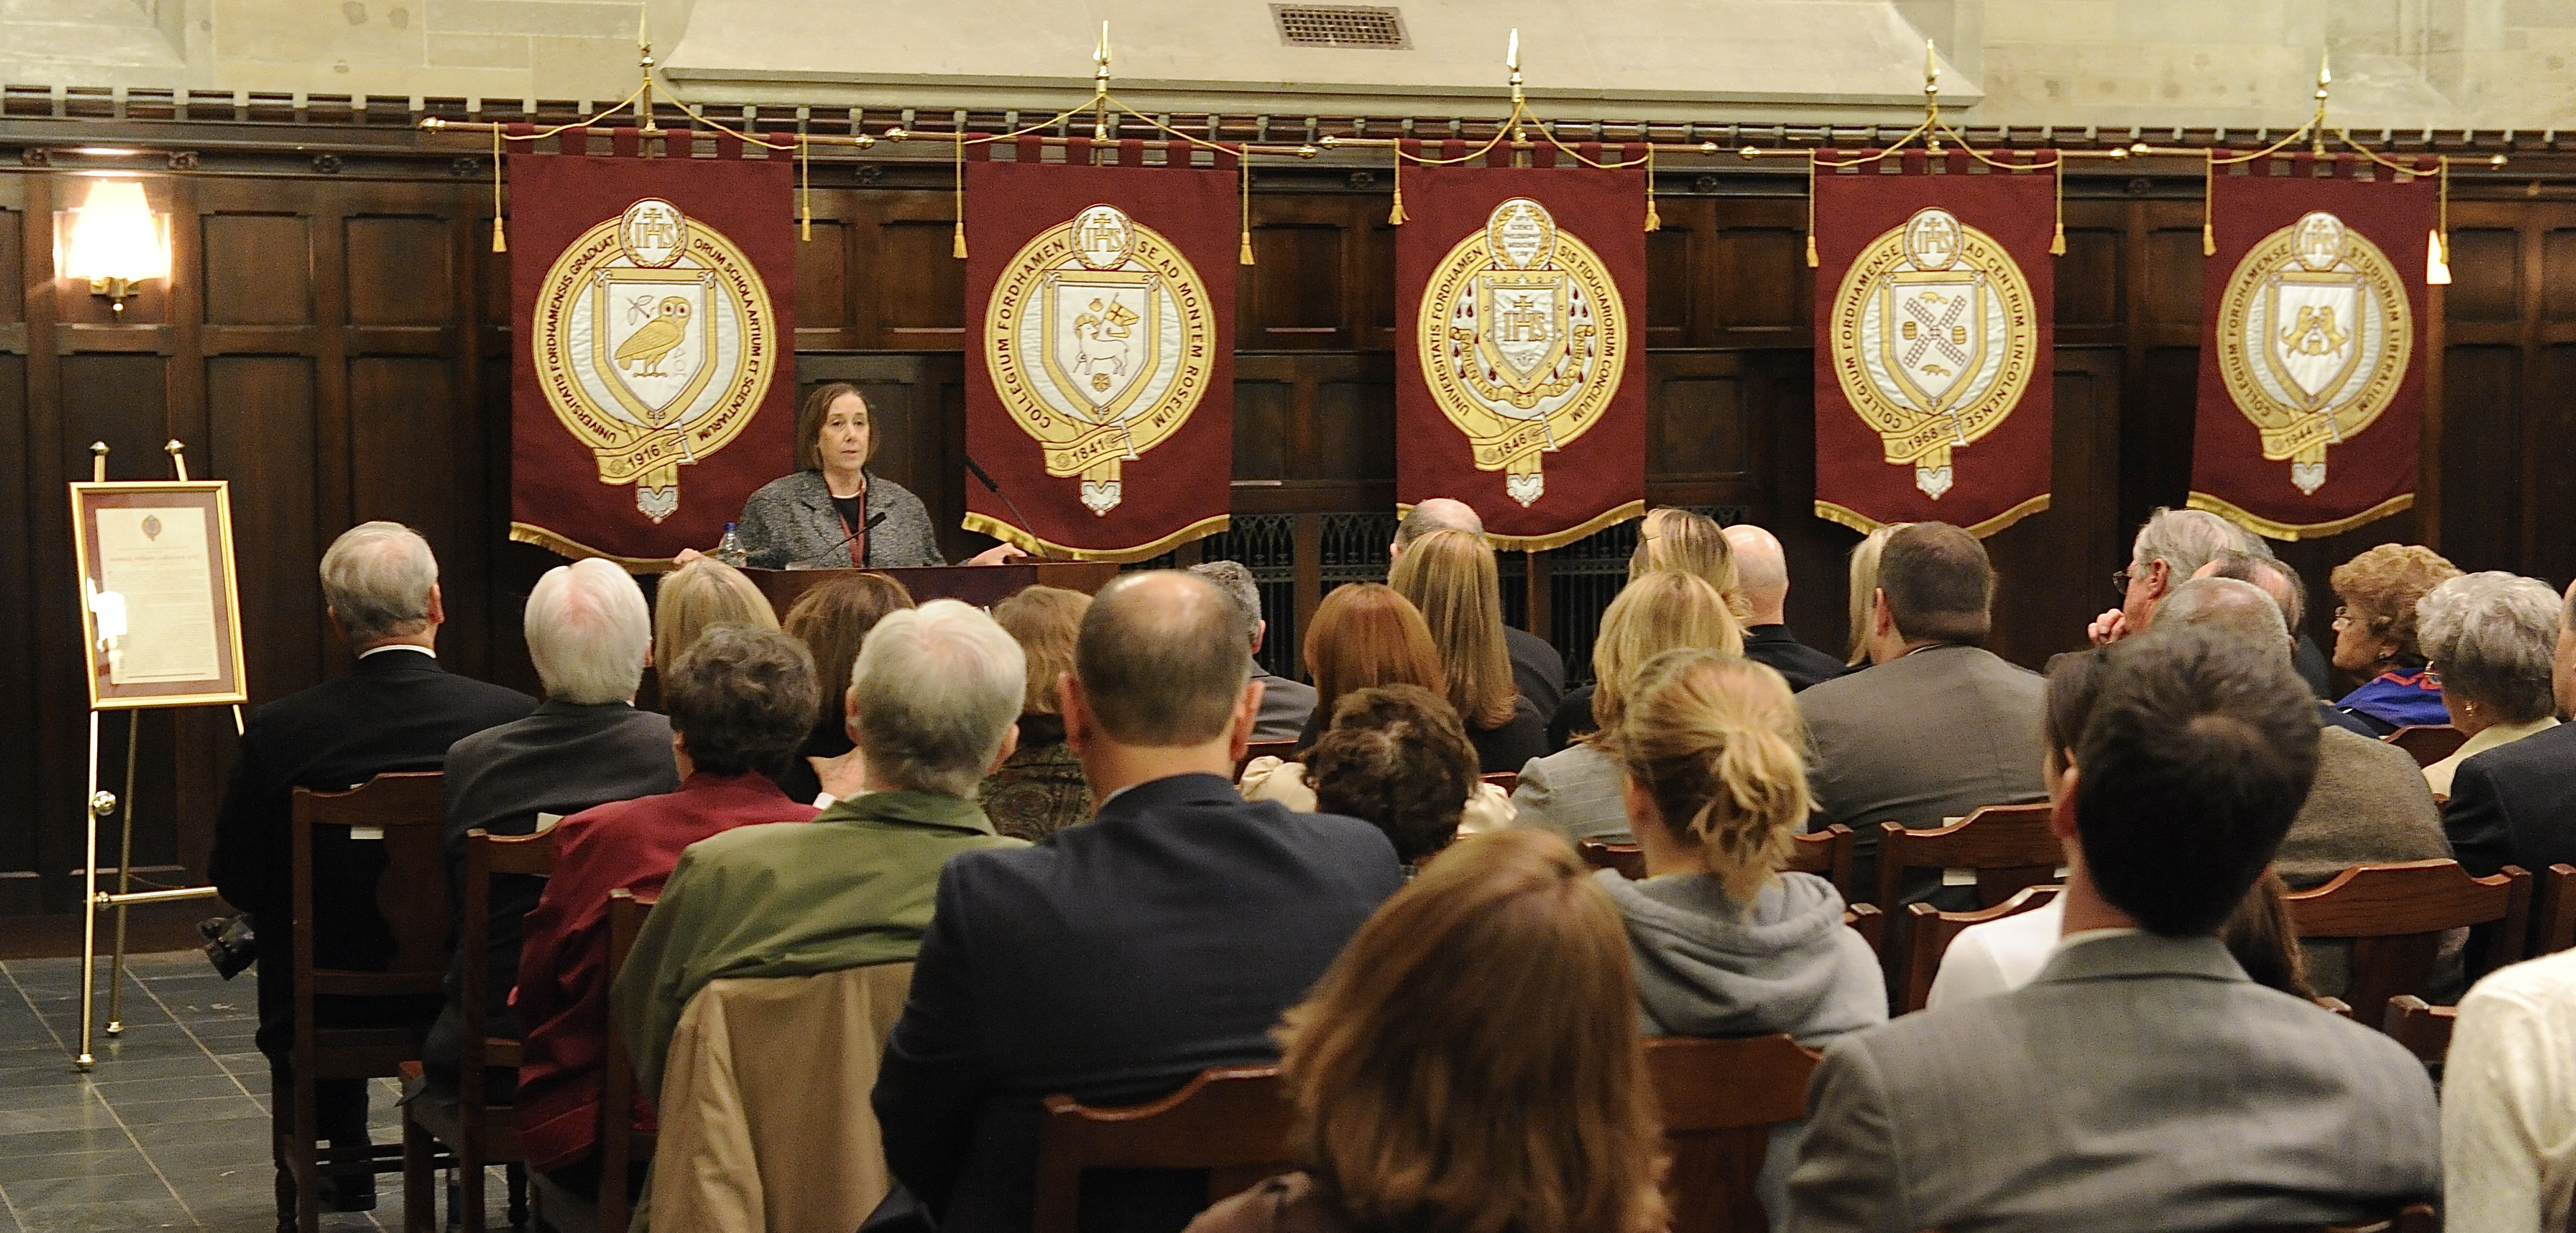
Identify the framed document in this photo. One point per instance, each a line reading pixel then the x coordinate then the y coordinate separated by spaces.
pixel 160 614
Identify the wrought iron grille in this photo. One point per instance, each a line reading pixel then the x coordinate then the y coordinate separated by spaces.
pixel 1267 544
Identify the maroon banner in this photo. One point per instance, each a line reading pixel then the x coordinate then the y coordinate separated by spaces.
pixel 1102 393
pixel 1523 390
pixel 1935 294
pixel 2312 348
pixel 653 378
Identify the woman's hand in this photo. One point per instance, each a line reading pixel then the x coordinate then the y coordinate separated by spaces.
pixel 686 555
pixel 998 554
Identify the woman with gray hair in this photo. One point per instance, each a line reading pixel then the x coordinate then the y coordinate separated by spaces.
pixel 2492 636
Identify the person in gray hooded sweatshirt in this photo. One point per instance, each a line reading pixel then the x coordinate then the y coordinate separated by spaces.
pixel 1725 943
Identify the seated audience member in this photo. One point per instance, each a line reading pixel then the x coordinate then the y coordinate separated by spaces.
pixel 1395 756
pixel 1537 670
pixel 2375 635
pixel 2491 636
pixel 1764 569
pixel 1575 791
pixel 2276 579
pixel 1673 540
pixel 1713 769
pixel 2003 955
pixel 2172 546
pixel 930 700
pixel 1449 576
pixel 2508 1102
pixel 832 620
pixel 1122 956
pixel 2142 1081
pixel 1938 727
pixel 1286 705
pixel 1864 593
pixel 2516 805
pixel 398 711
pixel 739 700
pixel 586 744
pixel 1039 790
pixel 1431 1095
pixel 703 592
pixel 1362 636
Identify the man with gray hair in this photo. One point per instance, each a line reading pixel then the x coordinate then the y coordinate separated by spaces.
pixel 1537 669
pixel 1120 957
pixel 1285 704
pixel 589 634
pixel 399 711
pixel 2172 545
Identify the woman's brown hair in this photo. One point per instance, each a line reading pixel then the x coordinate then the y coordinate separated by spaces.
pixel 1684 541
pixel 834 618
pixel 1471 1063
pixel 1046 622
pixel 1364 635
pixel 1716 742
pixel 1451 578
pixel 817 408
pixel 2381 587
pixel 1658 612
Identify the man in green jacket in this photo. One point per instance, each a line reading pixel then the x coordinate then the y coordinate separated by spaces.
pixel 932 704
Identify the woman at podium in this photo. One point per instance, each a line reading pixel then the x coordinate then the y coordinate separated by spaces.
pixel 831 513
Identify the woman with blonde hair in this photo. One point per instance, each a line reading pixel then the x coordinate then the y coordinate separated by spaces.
pixel 1040 789
pixel 1686 541
pixel 2375 636
pixel 1864 585
pixel 832 620
pixel 1450 577
pixel 703 592
pixel 1575 791
pixel 1713 776
pixel 1470 1064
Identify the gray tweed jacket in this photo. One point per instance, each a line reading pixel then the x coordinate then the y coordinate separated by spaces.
pixel 791 520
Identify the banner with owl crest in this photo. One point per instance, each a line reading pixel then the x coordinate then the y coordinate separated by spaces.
pixel 2312 346
pixel 653 366
pixel 1934 302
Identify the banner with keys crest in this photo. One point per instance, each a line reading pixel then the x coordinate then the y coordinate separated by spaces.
pixel 1523 392
pixel 2311 358
pixel 1932 356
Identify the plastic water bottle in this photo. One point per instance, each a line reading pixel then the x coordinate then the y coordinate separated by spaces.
pixel 729 549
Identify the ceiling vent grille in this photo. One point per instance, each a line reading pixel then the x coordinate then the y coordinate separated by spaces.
pixel 1340 25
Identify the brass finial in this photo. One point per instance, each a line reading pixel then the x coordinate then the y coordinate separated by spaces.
pixel 1931 70
pixel 1100 59
pixel 98 462
pixel 644 64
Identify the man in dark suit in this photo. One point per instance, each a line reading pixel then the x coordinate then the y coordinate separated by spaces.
pixel 1117 959
pixel 399 711
pixel 589 634
pixel 2142 1081
pixel 1763 571
pixel 2516 804
pixel 1537 669
pixel 1286 705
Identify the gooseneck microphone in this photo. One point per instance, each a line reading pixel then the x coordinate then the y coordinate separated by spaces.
pixel 986 478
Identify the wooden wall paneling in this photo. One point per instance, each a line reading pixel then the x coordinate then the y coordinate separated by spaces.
pixel 2053 568
pixel 1677 296
pixel 824 297
pixel 1763 293
pixel 1349 428
pixel 1372 277
pixel 1697 426
pixel 1265 412
pixel 19 882
pixel 1300 294
pixel 52 702
pixel 914 286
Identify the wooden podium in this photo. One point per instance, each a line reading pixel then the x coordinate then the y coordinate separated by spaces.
pixel 980 585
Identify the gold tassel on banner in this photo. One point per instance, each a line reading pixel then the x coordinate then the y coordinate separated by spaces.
pixel 1244 170
pixel 805 190
pixel 1811 211
pixel 500 243
pixel 959 249
pixel 1654 221
pixel 1395 217
pixel 2057 240
pixel 2208 187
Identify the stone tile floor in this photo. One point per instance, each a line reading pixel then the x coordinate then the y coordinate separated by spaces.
pixel 170 1130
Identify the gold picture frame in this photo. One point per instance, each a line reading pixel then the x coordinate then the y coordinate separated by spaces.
pixel 159 598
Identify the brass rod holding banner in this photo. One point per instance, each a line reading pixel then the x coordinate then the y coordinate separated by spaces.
pixel 167 895
pixel 1249 147
pixel 437 124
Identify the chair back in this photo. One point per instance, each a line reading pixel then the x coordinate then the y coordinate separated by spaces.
pixel 1627 858
pixel 1871 924
pixel 1232 1122
pixel 2424 1029
pixel 405 812
pixel 2412 1218
pixel 1929 932
pixel 2428 743
pixel 1508 781
pixel 1828 854
pixel 2553 923
pixel 1285 751
pixel 1720 1099
pixel 2007 846
pixel 2396 914
pixel 487 855
pixel 620 1144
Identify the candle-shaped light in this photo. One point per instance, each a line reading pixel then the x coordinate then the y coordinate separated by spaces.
pixel 1512 56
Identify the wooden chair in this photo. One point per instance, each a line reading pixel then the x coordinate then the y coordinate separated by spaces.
pixel 1720 1099
pixel 1232 1122
pixel 2008 846
pixel 2412 1218
pixel 405 810
pixel 621 1146
pixel 1930 931
pixel 2425 1030
pixel 2553 917
pixel 1828 854
pixel 2428 743
pixel 1866 920
pixel 1627 858
pixel 1508 781
pixel 1285 751
pixel 2396 914
pixel 475 1130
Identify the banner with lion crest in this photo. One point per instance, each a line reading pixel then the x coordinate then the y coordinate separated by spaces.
pixel 1100 390
pixel 2312 344
pixel 1522 389
pixel 653 368
pixel 1934 300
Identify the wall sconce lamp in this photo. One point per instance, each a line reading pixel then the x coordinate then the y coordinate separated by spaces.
pixel 116 241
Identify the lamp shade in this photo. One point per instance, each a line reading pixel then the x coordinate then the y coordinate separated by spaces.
pixel 115 236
